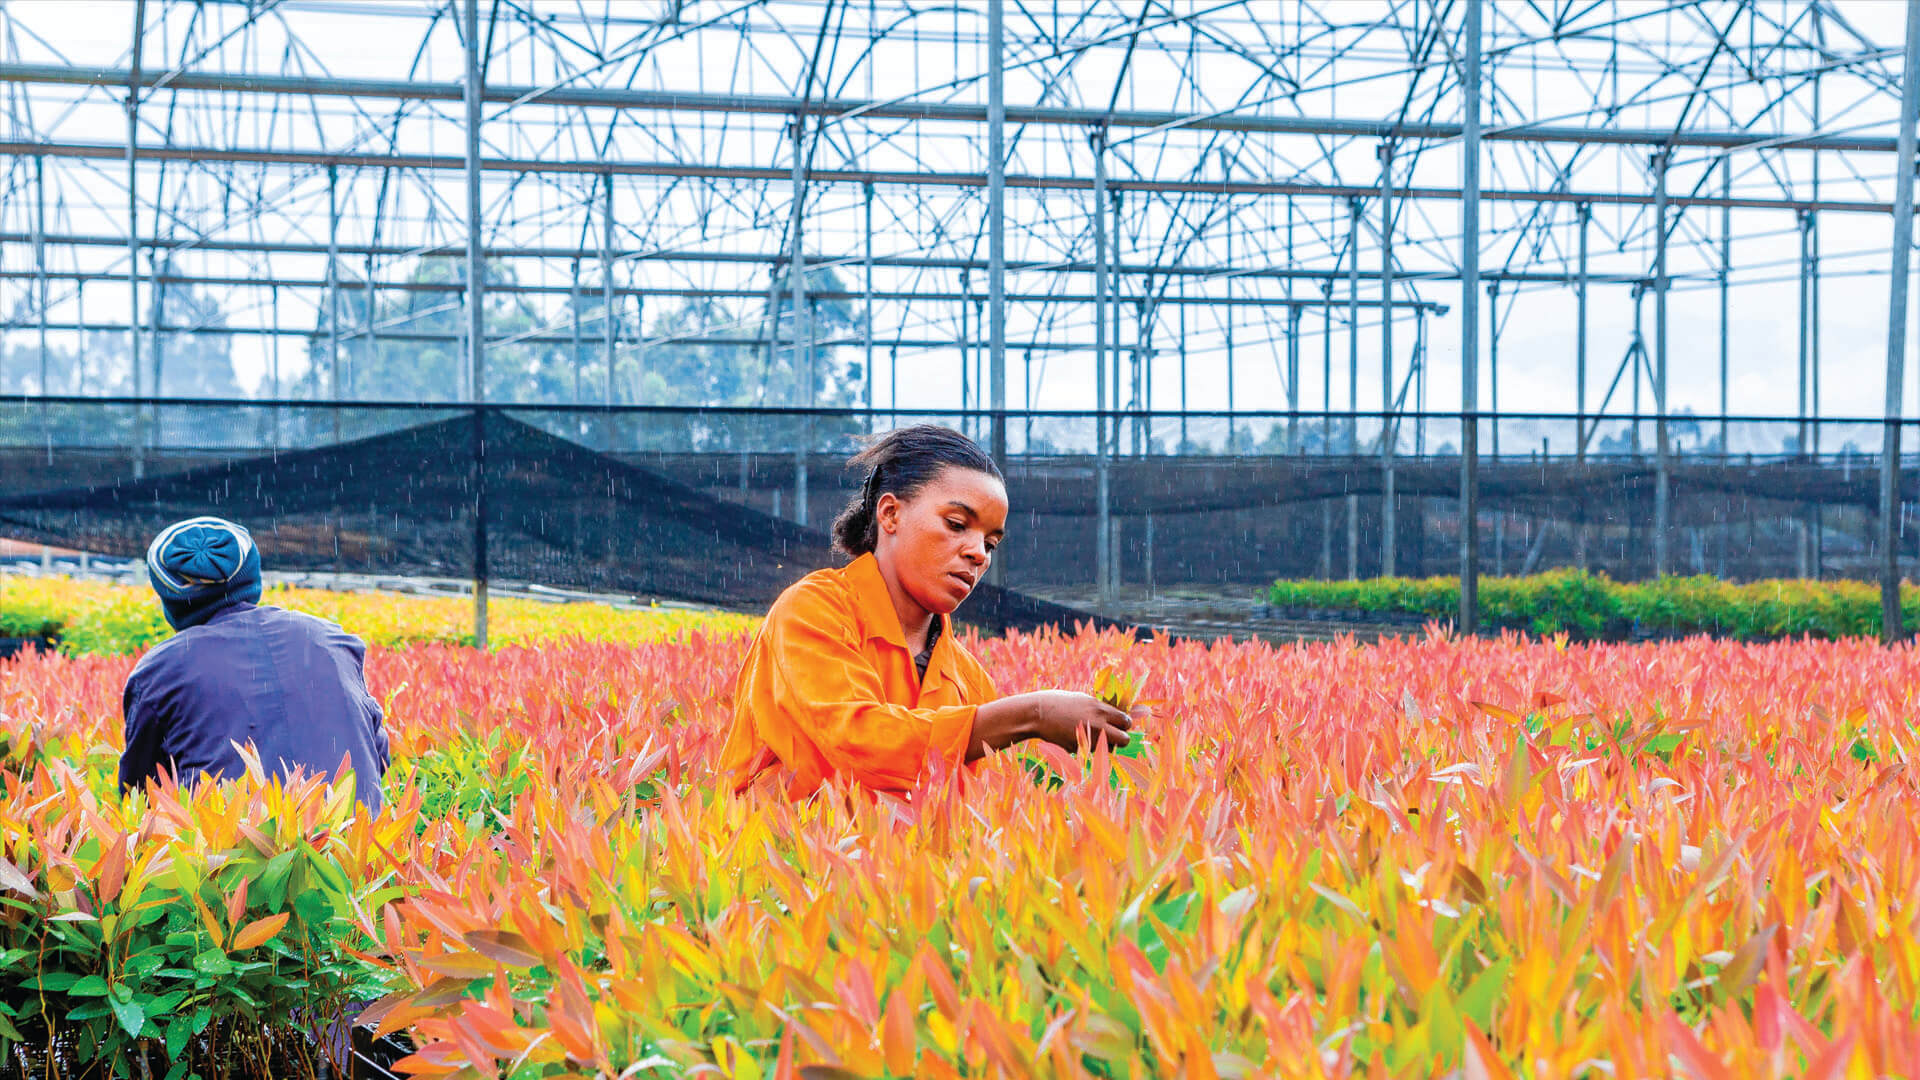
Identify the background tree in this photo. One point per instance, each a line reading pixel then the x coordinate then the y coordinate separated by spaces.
pixel 702 353
pixel 179 362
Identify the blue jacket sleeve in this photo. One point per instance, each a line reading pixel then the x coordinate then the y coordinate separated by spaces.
pixel 143 757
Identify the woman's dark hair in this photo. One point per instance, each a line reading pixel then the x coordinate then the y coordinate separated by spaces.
pixel 901 462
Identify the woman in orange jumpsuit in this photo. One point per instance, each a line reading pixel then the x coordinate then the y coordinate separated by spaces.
pixel 856 674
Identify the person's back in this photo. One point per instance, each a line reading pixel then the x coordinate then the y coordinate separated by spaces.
pixel 288 683
pixel 291 685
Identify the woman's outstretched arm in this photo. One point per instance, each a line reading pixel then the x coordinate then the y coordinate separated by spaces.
pixel 1056 716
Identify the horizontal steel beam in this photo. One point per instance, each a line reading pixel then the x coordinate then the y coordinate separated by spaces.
pixel 851 108
pixel 456 287
pixel 815 261
pixel 771 174
pixel 587 345
pixel 1166 416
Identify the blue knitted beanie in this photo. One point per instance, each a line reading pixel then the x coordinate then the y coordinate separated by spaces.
pixel 199 566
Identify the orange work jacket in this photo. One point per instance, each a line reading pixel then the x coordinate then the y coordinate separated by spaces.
pixel 829 690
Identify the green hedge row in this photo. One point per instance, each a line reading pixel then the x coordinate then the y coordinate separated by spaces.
pixel 111 628
pixel 29 620
pixel 1592 606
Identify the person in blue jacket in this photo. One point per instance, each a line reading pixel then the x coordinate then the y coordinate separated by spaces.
pixel 238 671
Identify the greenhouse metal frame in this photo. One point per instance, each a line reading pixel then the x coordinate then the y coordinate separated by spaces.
pixel 1011 205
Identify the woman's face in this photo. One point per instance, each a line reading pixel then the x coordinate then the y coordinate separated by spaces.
pixel 939 543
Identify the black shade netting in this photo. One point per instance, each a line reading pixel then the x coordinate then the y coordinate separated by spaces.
pixel 413 501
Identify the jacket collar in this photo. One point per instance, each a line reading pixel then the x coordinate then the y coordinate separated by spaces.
pixel 216 612
pixel 878 619
pixel 872 601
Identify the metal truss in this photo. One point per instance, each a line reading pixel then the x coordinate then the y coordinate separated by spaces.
pixel 1249 148
pixel 1112 195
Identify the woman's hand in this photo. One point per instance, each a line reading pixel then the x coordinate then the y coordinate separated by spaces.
pixel 1061 717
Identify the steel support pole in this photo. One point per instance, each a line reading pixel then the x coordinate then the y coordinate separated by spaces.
pixel 476 326
pixel 133 237
pixel 479 451
pixel 1420 385
pixel 333 291
pixel 1817 514
pixel 1135 356
pixel 1228 312
pixel 1584 213
pixel 867 367
pixel 6 322
pixel 273 360
pixel 1803 542
pixel 1803 297
pixel 1118 335
pixel 573 305
pixel 1146 573
pixel 639 346
pixel 997 231
pixel 1181 312
pixel 1892 621
pixel 978 358
pixel 1326 372
pixel 80 316
pixel 1149 319
pixel 1662 450
pixel 802 324
pixel 1637 360
pixel 1817 539
pixel 1353 537
pixel 154 323
pixel 1353 380
pixel 609 331
pixel 1293 381
pixel 1469 618
pixel 373 329
pixel 273 357
pixel 1493 363
pixel 969 393
pixel 1580 426
pixel 40 259
pixel 1026 399
pixel 1326 425
pixel 1118 309
pixel 1103 496
pixel 1388 517
pixel 1726 271
pixel 1813 297
pixel 1353 327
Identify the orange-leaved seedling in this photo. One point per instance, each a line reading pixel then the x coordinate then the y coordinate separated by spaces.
pixel 1427 856
pixel 1122 691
